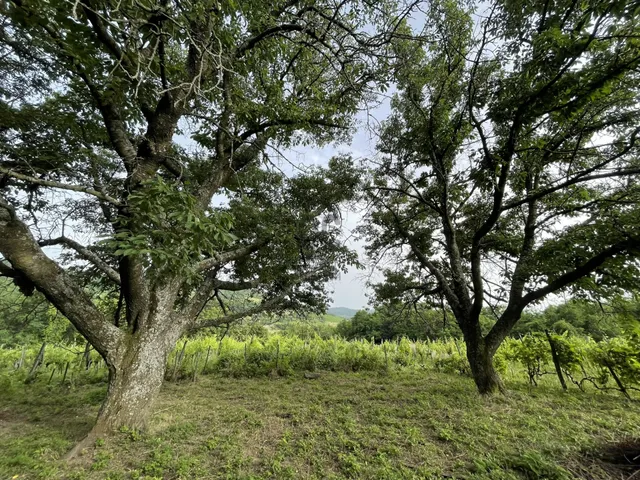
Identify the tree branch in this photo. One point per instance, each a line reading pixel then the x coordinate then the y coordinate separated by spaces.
pixel 226 257
pixel 86 254
pixel 568 183
pixel 269 32
pixel 235 286
pixel 7 271
pixel 277 303
pixel 512 314
pixel 62 186
pixel 25 255
pixel 288 121
pixel 113 122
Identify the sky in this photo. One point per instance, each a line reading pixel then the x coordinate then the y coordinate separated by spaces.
pixel 349 290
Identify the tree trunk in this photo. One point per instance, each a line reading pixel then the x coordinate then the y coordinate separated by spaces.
pixel 134 383
pixel 481 362
pixel 556 360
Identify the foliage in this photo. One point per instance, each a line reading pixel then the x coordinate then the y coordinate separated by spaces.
pixel 576 317
pixel 22 319
pixel 532 351
pixel 174 230
pixel 507 169
pixel 618 357
pixel 391 322
pixel 252 351
pixel 307 330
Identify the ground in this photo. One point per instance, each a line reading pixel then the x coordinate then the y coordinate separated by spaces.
pixel 412 424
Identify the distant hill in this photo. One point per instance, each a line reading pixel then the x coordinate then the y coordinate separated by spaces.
pixel 342 312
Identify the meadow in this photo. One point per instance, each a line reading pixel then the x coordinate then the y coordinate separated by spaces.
pixel 282 407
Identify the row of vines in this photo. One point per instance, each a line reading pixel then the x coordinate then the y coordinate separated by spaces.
pixel 567 361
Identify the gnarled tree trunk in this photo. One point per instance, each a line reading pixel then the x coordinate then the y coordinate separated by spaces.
pixel 135 379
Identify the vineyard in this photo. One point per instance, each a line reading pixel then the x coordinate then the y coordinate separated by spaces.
pixel 566 361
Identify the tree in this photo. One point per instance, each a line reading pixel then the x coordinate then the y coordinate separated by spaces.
pixel 396 320
pixel 508 169
pixel 577 316
pixel 143 127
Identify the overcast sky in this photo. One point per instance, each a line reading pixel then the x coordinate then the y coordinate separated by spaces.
pixel 349 289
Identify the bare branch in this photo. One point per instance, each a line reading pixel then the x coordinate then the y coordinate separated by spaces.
pixel 62 186
pixel 86 254
pixel 226 257
pixel 277 303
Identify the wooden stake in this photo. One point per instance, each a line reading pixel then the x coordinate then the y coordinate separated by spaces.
pixel 36 363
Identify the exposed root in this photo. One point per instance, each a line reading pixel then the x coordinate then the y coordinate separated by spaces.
pixel 79 452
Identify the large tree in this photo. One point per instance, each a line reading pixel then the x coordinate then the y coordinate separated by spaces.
pixel 508 169
pixel 140 126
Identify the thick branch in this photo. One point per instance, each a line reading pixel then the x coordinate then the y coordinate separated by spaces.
pixel 108 41
pixel 23 253
pixel 225 166
pixel 226 257
pixel 112 120
pixel 512 314
pixel 265 34
pixel 577 179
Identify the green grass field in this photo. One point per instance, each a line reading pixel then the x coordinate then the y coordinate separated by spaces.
pixel 406 424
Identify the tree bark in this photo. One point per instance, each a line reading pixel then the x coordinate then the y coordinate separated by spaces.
pixel 484 374
pixel 134 383
pixel 556 360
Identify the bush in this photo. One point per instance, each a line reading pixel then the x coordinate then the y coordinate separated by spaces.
pixel 583 360
pixel 533 352
pixel 454 363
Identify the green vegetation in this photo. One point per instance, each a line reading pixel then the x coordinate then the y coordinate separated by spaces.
pixel 240 407
pixel 144 214
pixel 342 312
pixel 608 365
pixel 397 425
pixel 575 317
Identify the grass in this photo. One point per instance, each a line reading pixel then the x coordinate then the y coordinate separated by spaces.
pixel 402 425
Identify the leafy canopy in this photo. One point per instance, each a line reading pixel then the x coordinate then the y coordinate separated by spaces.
pixel 508 169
